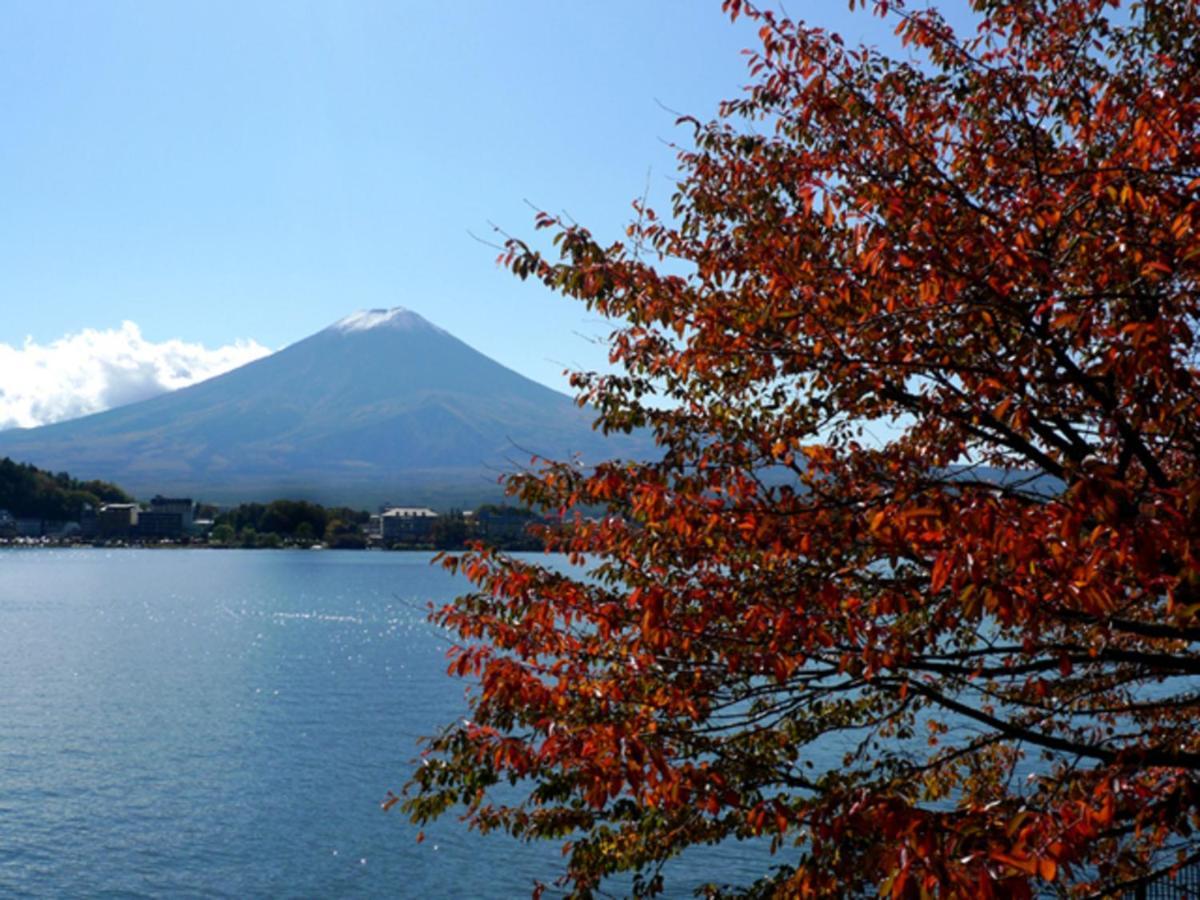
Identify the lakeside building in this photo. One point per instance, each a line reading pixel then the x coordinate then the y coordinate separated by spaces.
pixel 183 507
pixel 34 527
pixel 117 520
pixel 159 525
pixel 89 522
pixel 40 528
pixel 169 519
pixel 400 524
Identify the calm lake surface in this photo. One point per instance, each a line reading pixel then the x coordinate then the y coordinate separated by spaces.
pixel 206 723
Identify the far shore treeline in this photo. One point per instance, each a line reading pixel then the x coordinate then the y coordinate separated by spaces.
pixel 27 492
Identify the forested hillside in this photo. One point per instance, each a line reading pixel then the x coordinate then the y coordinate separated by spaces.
pixel 29 492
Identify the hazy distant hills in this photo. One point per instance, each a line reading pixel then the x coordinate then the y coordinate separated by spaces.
pixel 380 406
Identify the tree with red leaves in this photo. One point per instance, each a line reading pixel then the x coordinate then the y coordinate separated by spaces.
pixel 918 345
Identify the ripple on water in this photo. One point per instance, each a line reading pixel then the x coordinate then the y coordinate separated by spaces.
pixel 225 724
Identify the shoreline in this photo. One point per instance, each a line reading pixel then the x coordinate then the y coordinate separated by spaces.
pixel 44 543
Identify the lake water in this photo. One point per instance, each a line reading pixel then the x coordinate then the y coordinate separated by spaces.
pixel 226 724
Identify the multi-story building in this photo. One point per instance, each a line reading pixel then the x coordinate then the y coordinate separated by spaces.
pixel 117 520
pixel 404 524
pixel 180 506
pixel 159 525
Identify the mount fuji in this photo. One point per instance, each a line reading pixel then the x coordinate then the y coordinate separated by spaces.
pixel 380 406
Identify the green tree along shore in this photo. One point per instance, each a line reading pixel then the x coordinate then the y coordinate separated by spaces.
pixel 297 521
pixel 29 492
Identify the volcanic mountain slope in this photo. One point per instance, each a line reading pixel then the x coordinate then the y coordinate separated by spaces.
pixel 380 406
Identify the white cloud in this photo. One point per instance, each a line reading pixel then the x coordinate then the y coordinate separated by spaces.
pixel 95 370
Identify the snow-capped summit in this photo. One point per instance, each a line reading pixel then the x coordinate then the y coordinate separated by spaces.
pixel 397 318
pixel 379 406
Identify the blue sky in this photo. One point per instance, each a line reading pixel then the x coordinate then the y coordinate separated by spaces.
pixel 214 171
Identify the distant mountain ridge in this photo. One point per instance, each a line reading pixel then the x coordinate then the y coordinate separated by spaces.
pixel 380 406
